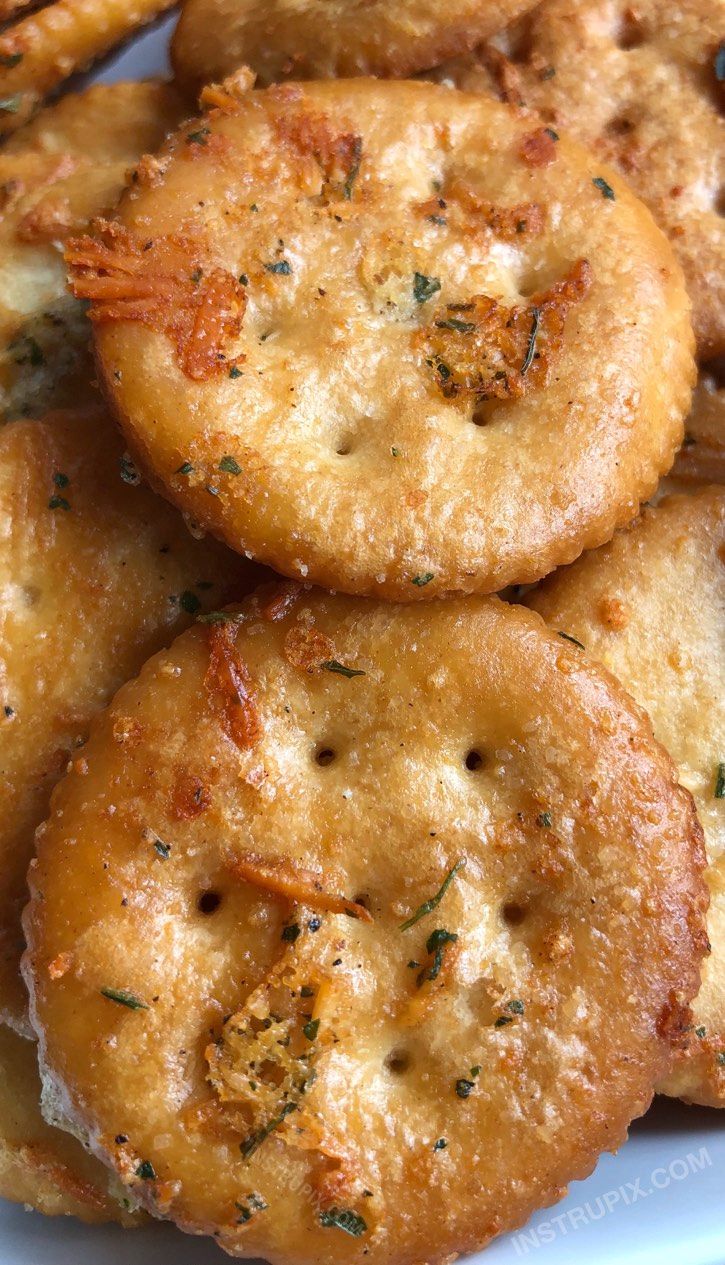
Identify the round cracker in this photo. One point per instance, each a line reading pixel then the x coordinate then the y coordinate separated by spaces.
pixel 640 86
pixel 651 606
pixel 43 49
pixel 42 1166
pixel 320 39
pixel 405 343
pixel 702 455
pixel 67 166
pixel 98 573
pixel 329 924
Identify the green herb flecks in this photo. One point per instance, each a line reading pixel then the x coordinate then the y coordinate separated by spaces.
pixel 424 578
pixel 424 287
pixel 146 1171
pixel 395 452
pixel 460 327
pixel 11 105
pixel 531 346
pixel 573 640
pixel 440 1144
pixel 185 468
pixel 218 617
pixel 163 849
pixel 550 132
pixel 464 1087
pixel 199 137
pixel 343 1219
pixel 436 944
pixel 58 503
pixel 255 1140
pixel 514 1007
pixel 255 1203
pixel 189 602
pixel 434 901
pixel 282 268
pixel 545 820
pixel 124 998
pixel 605 189
pixel 311 1029
pixel 235 371
pixel 353 173
pixel 10 60
pixel 128 471
pixel 29 352
pixel 720 781
pixel 290 932
pixel 720 63
pixel 60 480
pixel 230 465
pixel 332 665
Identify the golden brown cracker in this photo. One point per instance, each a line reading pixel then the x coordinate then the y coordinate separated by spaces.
pixel 651 607
pixel 379 947
pixel 406 344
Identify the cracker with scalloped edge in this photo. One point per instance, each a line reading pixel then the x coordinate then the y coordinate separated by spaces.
pixel 651 606
pixel 406 344
pixel 643 86
pixel 98 573
pixel 376 879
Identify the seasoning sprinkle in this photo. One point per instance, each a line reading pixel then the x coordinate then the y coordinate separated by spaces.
pixel 424 287
pixel 720 781
pixel 58 503
pixel 332 665
pixel 573 640
pixel 248 1147
pixel 436 944
pixel 60 480
pixel 128 470
pixel 311 1029
pixel 343 1219
pixel 290 932
pixel 185 468
pixel 11 105
pixel 189 602
pixel 218 617
pixel 545 820
pixel 354 171
pixel 434 901
pixel 420 581
pixel 124 998
pixel 146 1171
pixel 464 1088
pixel 282 268
pixel 460 327
pixel 531 347
pixel 605 189
pixel 230 465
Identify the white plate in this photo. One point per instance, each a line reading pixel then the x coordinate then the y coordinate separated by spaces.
pixel 660 1201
